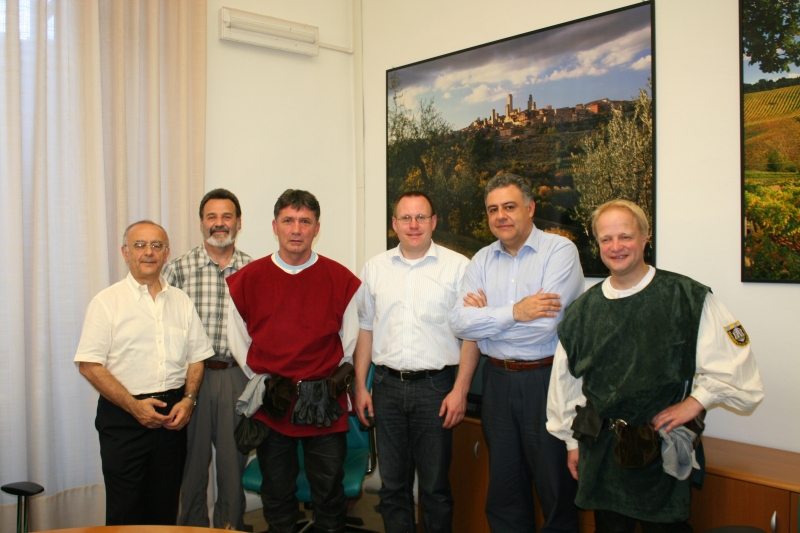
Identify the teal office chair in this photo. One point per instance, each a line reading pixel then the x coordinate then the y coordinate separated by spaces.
pixel 360 461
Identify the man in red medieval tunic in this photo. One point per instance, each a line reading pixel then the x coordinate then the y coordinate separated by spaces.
pixel 294 315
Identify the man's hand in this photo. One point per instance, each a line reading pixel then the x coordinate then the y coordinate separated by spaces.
pixel 144 412
pixel 363 403
pixel 475 300
pixel 572 462
pixel 539 305
pixel 675 415
pixel 453 408
pixel 180 414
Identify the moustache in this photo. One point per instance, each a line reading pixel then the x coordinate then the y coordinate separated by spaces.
pixel 218 228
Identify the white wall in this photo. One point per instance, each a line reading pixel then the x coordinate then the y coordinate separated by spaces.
pixel 698 177
pixel 277 120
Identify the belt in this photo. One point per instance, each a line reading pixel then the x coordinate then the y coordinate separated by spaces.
pixel 612 424
pixel 513 366
pixel 216 364
pixel 170 396
pixel 413 376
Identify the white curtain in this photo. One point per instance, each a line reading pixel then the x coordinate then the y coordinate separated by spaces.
pixel 102 122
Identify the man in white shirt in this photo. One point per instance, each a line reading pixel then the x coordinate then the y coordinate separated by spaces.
pixel 403 304
pixel 630 349
pixel 143 347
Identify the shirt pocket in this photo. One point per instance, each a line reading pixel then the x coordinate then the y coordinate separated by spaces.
pixel 177 345
pixel 432 308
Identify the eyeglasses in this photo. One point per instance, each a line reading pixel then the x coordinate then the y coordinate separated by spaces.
pixel 156 246
pixel 421 219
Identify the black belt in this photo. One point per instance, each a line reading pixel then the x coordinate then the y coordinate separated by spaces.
pixel 170 396
pixel 216 364
pixel 415 375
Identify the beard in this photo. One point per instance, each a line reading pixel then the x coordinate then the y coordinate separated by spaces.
pixel 220 241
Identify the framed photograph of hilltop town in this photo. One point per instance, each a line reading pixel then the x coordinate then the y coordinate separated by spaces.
pixel 770 52
pixel 569 108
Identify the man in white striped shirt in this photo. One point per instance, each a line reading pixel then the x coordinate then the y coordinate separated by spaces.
pixel 417 398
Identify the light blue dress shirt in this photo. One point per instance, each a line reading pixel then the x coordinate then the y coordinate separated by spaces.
pixel 545 261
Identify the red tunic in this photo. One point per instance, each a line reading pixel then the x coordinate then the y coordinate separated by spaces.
pixel 294 322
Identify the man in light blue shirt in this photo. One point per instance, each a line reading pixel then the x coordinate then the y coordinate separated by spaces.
pixel 403 303
pixel 513 297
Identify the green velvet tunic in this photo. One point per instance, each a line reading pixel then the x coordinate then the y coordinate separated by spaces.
pixel 636 356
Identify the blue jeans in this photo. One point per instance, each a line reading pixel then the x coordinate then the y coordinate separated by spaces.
pixel 410 436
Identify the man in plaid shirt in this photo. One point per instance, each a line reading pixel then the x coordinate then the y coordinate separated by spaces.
pixel 201 274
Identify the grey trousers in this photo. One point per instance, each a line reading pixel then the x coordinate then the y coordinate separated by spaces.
pixel 213 421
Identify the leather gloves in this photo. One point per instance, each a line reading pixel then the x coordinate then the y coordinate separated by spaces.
pixel 314 405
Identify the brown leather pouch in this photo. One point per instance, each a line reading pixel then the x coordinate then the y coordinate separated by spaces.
pixel 278 395
pixel 249 433
pixel 637 446
pixel 340 380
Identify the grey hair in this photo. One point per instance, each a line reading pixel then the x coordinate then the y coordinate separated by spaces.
pixel 505 180
pixel 125 234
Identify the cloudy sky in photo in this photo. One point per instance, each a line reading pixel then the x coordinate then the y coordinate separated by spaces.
pixel 752 73
pixel 604 57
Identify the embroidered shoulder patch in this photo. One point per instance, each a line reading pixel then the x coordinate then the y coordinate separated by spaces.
pixel 737 334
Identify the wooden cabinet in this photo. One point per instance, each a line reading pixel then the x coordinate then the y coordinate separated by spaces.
pixel 469 481
pixel 745 485
pixel 469 477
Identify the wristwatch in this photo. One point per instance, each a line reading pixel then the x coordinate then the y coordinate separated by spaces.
pixel 191 397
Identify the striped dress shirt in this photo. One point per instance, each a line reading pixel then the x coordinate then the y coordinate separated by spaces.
pixel 406 303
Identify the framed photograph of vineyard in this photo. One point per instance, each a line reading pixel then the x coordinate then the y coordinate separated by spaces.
pixel 770 104
pixel 569 108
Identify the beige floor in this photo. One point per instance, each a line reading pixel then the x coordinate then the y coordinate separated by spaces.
pixel 363 508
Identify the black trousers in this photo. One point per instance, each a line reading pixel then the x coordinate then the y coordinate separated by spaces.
pixel 323 457
pixel 611 522
pixel 522 454
pixel 142 467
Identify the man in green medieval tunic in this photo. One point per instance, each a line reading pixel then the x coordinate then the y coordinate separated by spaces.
pixel 641 356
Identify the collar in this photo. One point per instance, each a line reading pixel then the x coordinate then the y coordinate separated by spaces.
pixel 138 290
pixel 432 251
pixel 292 269
pixel 531 242
pixel 205 259
pixel 612 294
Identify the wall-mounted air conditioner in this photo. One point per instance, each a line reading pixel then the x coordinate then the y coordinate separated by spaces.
pixel 260 30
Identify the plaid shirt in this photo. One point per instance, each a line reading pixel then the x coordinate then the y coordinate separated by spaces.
pixel 200 277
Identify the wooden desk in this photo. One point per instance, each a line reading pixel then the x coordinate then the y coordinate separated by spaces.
pixel 136 529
